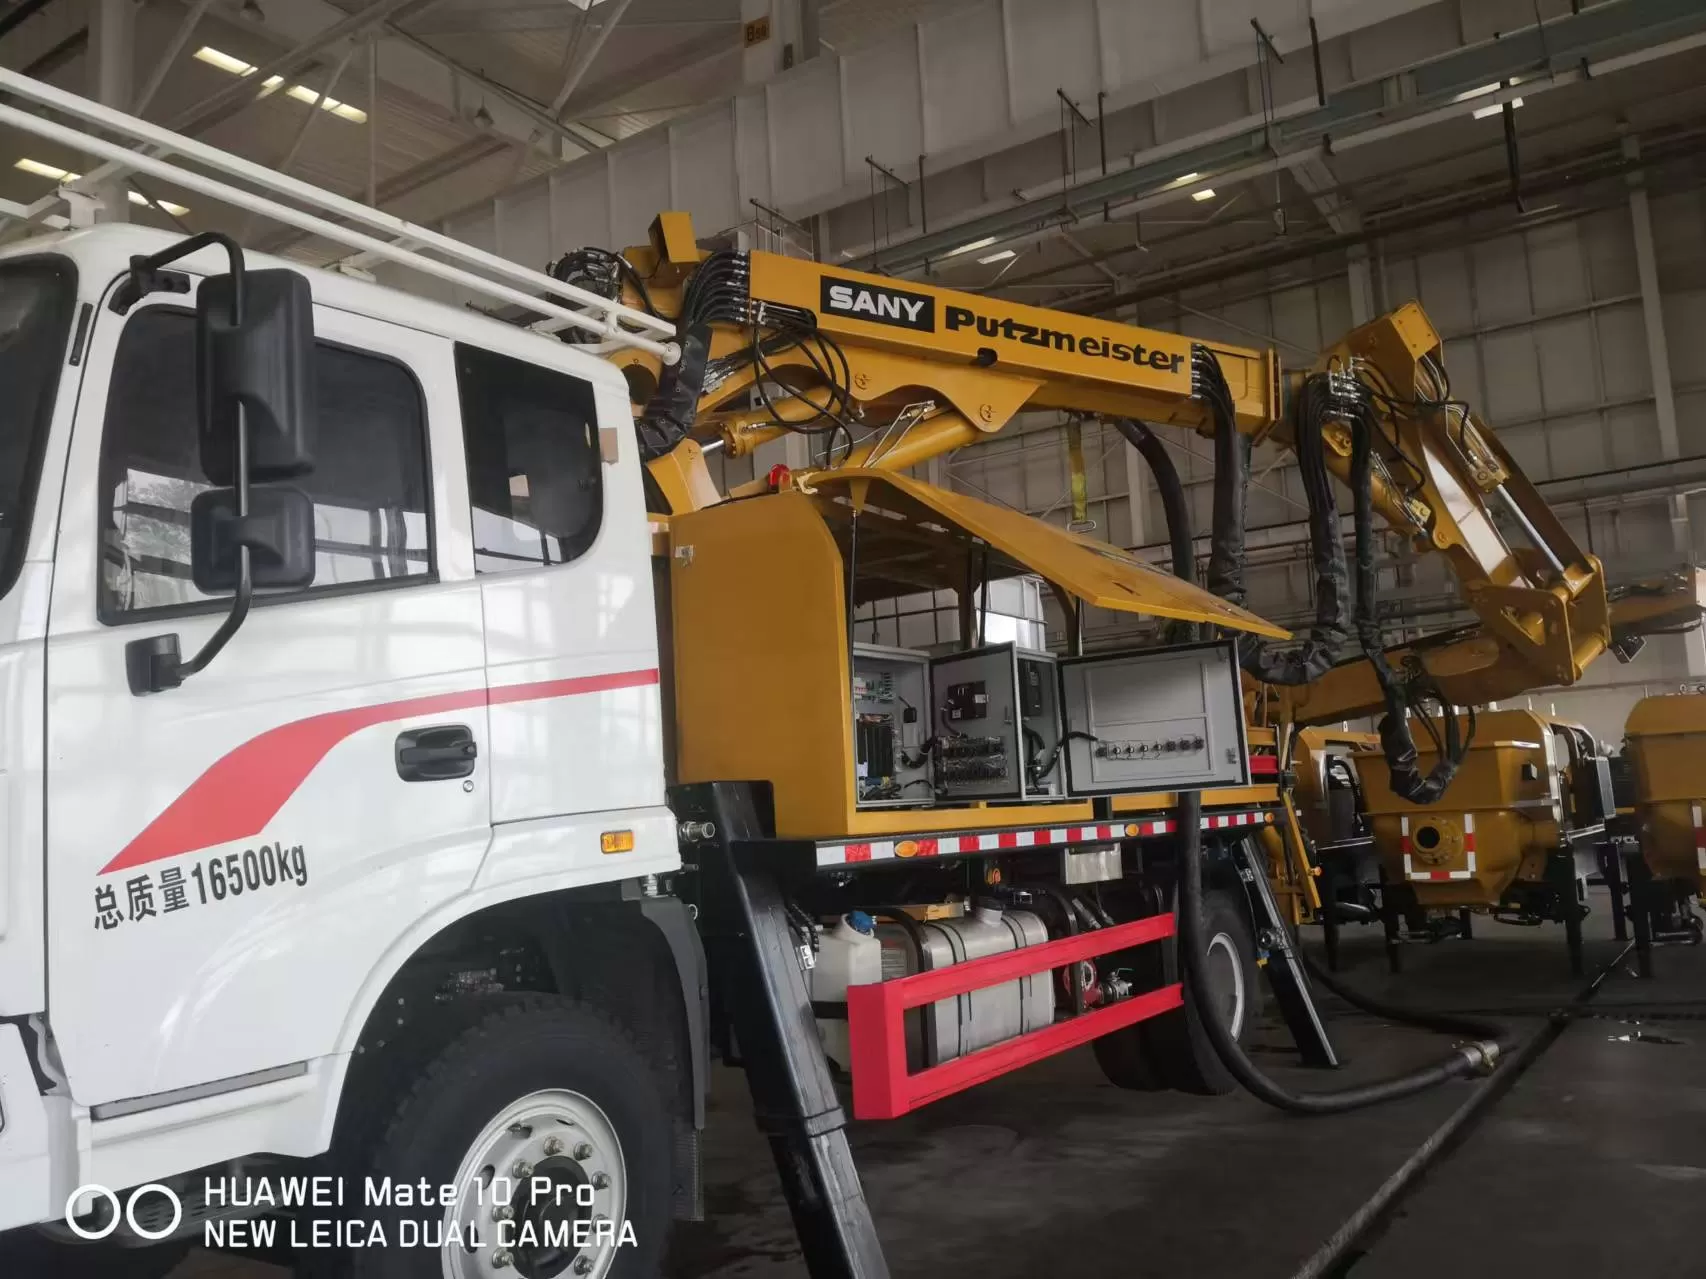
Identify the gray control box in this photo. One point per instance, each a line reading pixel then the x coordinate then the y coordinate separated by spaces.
pixel 1155 719
pixel 997 723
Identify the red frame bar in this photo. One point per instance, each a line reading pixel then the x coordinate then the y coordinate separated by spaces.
pixel 883 1088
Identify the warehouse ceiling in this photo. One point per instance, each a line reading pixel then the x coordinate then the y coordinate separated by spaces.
pixel 473 95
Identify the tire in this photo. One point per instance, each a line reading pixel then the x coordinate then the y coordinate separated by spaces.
pixel 532 1080
pixel 1178 1049
pixel 28 1253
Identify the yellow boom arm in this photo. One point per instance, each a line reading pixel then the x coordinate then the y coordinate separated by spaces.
pixel 926 370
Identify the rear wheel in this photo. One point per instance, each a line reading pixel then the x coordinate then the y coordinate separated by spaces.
pixel 1173 1050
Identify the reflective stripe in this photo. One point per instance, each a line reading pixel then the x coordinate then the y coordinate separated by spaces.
pixel 853 853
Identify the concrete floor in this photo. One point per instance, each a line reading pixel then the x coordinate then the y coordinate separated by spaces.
pixel 1594 1164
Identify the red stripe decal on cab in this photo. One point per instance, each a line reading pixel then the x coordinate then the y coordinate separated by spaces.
pixel 243 789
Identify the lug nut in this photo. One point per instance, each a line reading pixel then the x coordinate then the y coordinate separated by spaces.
pixel 520 1130
pixel 554 1146
pixel 601 1181
pixel 583 1265
pixel 501 1259
pixel 503 1212
pixel 521 1169
pixel 583 1151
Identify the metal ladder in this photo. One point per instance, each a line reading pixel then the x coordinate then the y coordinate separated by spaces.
pixel 312 209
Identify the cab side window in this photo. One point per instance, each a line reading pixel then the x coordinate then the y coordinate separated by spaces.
pixel 372 523
pixel 535 468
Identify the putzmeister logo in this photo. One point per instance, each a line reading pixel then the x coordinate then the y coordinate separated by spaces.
pixel 877 304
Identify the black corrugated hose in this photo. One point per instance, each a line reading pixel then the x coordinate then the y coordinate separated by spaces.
pixel 1400 694
pixel 1172 490
pixel 1471 1058
pixel 1308 661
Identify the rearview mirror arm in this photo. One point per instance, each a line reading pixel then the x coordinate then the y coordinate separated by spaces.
pixel 245 585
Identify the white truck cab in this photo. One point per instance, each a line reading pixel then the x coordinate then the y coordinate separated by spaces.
pixel 435 769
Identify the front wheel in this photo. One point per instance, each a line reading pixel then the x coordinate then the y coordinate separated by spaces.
pixel 547 1122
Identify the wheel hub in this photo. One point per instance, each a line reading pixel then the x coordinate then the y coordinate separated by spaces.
pixel 541 1193
pixel 1226 980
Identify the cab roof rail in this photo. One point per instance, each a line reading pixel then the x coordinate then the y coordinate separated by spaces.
pixel 246 185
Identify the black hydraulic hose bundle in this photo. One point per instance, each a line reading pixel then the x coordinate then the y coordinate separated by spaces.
pixel 1471 1058
pixel 1172 491
pixel 1400 694
pixel 1304 663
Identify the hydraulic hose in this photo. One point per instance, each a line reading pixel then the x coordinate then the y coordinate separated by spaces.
pixel 1396 741
pixel 1304 663
pixel 1172 490
pixel 1345 1242
pixel 1471 1058
pixel 1175 507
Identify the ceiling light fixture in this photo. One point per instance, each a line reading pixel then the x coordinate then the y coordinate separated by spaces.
pixel 1481 113
pixel 45 170
pixel 65 176
pixel 997 257
pixel 972 247
pixel 1207 193
pixel 1184 178
pixel 301 92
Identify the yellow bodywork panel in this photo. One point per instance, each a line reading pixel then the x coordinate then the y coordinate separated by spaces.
pixel 760 671
pixel 1096 573
pixel 1495 824
pixel 1666 738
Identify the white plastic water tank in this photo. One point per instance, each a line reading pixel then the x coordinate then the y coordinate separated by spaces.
pixel 849 954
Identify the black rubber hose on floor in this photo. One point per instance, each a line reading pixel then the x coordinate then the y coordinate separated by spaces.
pixel 1442 1020
pixel 1333 1256
pixel 1471 1058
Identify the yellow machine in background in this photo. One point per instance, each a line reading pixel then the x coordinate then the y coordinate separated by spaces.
pixel 1665 738
pixel 1665 742
pixel 1518 833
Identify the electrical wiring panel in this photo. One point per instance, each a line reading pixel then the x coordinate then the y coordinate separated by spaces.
pixel 1159 719
pixel 890 697
pixel 997 724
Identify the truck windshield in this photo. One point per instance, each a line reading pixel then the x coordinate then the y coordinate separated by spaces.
pixel 37 298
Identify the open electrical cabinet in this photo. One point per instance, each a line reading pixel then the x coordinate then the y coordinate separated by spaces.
pixel 765 659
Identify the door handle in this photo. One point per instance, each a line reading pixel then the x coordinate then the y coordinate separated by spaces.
pixel 437 754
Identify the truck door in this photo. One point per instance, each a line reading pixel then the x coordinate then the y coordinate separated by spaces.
pixel 571 639
pixel 228 860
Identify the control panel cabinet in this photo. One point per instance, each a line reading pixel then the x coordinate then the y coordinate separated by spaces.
pixel 997 724
pixel 1156 719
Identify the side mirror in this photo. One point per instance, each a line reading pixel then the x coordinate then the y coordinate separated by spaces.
pixel 255 356
pixel 278 530
pixel 255 391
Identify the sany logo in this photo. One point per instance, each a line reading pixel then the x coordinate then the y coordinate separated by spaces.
pixel 125 1212
pixel 878 304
